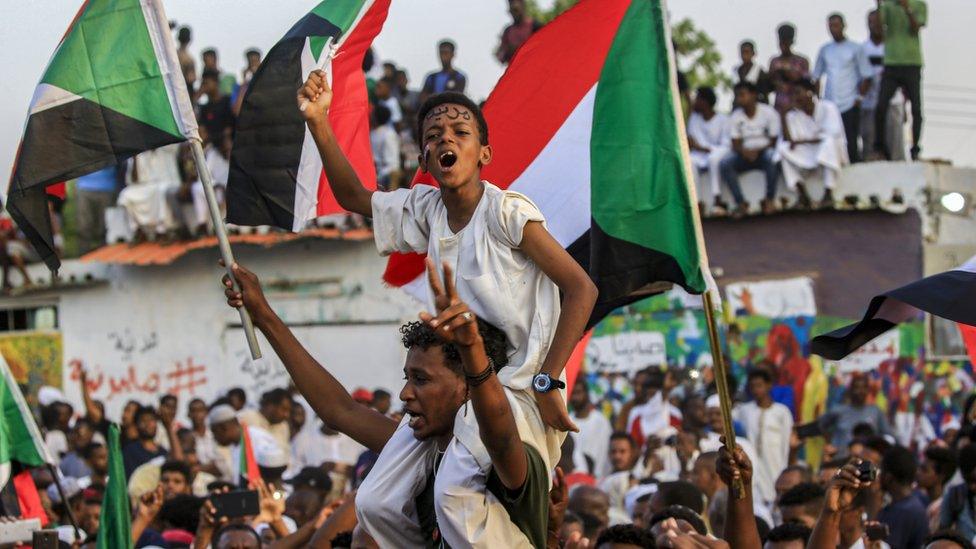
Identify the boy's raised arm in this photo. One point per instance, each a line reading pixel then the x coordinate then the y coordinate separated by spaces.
pixel 314 99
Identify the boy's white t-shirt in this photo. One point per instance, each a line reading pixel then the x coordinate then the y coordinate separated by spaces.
pixel 755 132
pixel 501 284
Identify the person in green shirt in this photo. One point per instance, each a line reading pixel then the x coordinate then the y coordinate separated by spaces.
pixel 903 21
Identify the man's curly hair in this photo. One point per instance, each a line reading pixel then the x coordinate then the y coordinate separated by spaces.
pixel 417 334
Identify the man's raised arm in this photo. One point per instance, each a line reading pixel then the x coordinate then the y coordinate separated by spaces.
pixel 330 400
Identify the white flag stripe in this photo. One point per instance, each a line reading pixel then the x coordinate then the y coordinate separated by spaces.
pixel 25 412
pixel 47 97
pixel 169 67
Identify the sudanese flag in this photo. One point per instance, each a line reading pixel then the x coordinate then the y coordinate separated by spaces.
pixel 99 102
pixel 586 121
pixel 276 175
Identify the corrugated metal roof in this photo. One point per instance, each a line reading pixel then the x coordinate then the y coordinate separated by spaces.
pixel 155 253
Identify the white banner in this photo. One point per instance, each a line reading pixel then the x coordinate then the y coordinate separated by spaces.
pixel 625 352
pixel 884 347
pixel 773 298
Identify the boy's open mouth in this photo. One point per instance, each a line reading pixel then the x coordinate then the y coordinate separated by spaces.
pixel 447 159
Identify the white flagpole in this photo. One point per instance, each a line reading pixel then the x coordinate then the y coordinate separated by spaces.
pixel 206 179
pixel 169 64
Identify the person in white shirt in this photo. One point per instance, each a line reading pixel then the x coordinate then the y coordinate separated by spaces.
pixel 768 427
pixel 385 143
pixel 594 428
pixel 227 432
pixel 273 416
pixel 848 72
pixel 150 175
pixel 708 139
pixel 753 128
pixel 218 162
pixel 813 140
pixel 750 71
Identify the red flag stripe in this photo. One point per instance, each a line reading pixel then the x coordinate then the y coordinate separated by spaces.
pixel 547 79
pixel 250 466
pixel 27 497
pixel 349 112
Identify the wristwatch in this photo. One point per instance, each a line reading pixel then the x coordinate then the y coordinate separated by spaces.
pixel 543 383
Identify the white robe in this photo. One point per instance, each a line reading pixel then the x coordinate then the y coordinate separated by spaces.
pixel 829 155
pixel 594 440
pixel 769 430
pixel 144 197
pixel 714 134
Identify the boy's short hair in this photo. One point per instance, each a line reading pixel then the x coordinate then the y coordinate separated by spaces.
pixel 708 94
pixel 446 43
pixel 745 85
pixel 760 373
pixel 174 466
pixel 620 435
pixel 143 411
pixel 455 98
pixel 790 531
pixel 808 494
pixel 208 51
pixel 786 31
pixel 943 460
pixel 836 15
pixel 900 464
pixel 682 513
pixel 748 44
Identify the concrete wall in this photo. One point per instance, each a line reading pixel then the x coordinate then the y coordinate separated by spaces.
pixel 153 330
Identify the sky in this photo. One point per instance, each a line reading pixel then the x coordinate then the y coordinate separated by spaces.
pixel 30 30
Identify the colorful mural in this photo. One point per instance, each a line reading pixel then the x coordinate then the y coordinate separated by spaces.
pixel 901 376
pixel 34 358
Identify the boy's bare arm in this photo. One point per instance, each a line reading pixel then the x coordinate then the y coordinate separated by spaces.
pixel 314 99
pixel 579 293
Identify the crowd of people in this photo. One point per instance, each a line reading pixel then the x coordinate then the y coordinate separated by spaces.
pixel 484 449
pixel 652 473
pixel 848 106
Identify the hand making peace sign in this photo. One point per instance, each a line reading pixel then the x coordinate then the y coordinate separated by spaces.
pixel 454 323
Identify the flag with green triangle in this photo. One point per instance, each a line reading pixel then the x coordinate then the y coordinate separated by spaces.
pixel 591 131
pixel 115 524
pixel 112 89
pixel 20 439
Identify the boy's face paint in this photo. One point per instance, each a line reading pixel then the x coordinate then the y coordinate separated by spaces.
pixel 453 153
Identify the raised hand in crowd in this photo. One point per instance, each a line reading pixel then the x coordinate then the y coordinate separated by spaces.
pixel 740 522
pixel 558 501
pixel 209 523
pixel 272 509
pixel 841 492
pixel 146 510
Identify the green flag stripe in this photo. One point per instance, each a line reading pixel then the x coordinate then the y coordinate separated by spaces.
pixel 108 57
pixel 16 442
pixel 341 13
pixel 114 529
pixel 639 188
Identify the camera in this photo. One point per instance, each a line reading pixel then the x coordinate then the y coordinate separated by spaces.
pixel 866 471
